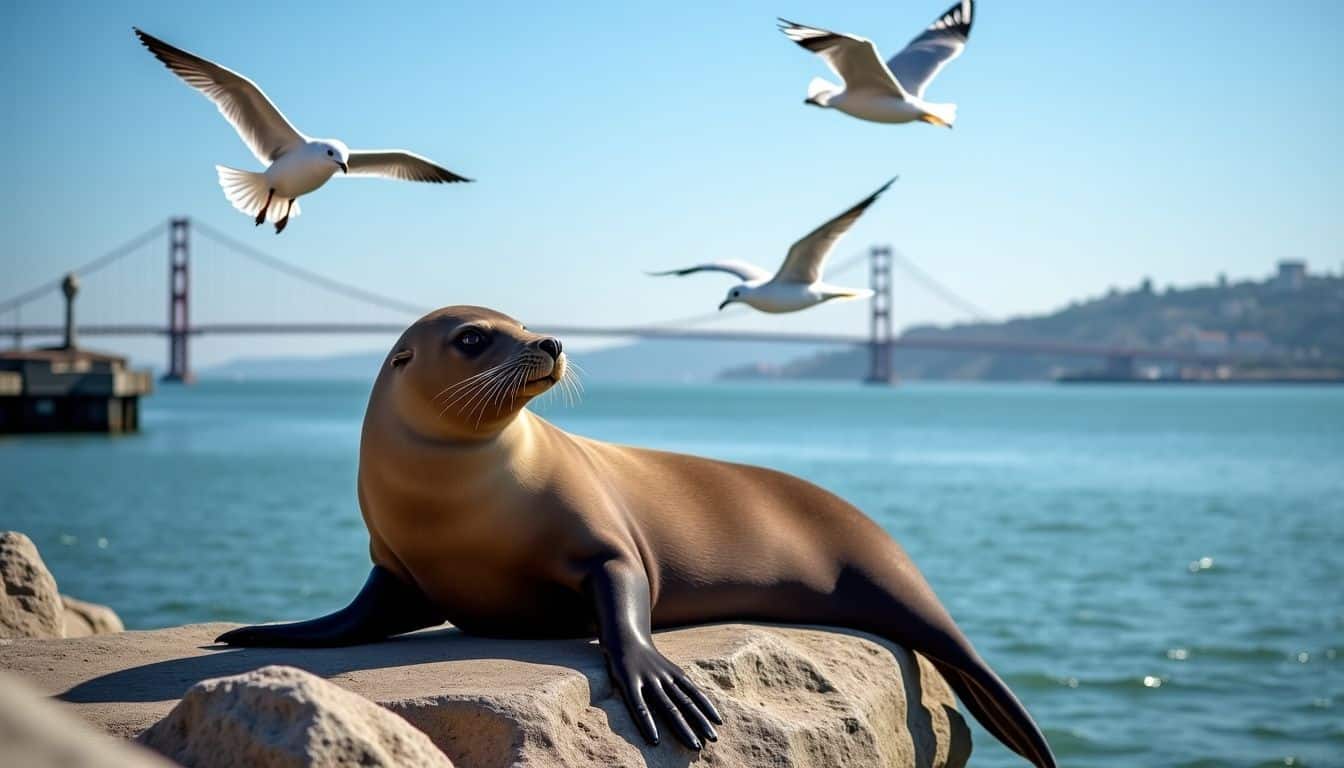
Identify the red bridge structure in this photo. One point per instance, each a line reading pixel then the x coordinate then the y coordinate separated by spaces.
pixel 880 341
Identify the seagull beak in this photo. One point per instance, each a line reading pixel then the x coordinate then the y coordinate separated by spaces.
pixel 725 303
pixel 344 168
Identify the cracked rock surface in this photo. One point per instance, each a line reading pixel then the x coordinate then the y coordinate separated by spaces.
pixel 790 696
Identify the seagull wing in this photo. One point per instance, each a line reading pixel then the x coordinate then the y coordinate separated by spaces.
pixel 807 256
pixel 400 164
pixel 926 55
pixel 854 59
pixel 260 125
pixel 741 269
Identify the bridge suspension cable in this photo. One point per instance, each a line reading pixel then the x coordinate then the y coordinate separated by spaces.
pixel 313 278
pixel 85 269
pixel 380 300
pixel 950 297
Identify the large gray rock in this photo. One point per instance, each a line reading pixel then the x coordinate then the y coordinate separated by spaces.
pixel 790 696
pixel 30 606
pixel 282 717
pixel 36 732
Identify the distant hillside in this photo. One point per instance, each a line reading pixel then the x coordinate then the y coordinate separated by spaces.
pixel 1294 316
pixel 641 361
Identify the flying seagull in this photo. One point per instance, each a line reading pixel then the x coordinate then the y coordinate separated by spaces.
pixel 295 164
pixel 891 92
pixel 798 284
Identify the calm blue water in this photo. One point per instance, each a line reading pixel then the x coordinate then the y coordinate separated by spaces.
pixel 1156 571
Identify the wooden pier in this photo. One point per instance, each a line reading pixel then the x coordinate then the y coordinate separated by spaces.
pixel 69 389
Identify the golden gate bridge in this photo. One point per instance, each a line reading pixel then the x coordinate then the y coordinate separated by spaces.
pixel 880 341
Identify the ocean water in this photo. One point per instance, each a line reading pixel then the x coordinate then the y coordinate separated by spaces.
pixel 1158 572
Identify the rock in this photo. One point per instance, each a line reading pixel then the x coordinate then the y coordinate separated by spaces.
pixel 30 605
pixel 282 717
pixel 36 732
pixel 791 696
pixel 81 619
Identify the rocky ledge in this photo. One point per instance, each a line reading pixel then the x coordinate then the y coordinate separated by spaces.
pixel 790 696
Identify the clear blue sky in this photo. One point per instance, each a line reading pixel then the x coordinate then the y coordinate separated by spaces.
pixel 1096 143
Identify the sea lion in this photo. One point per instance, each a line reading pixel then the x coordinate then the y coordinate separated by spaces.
pixel 483 514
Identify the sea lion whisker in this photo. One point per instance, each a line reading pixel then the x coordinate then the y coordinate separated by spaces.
pixel 459 395
pixel 465 396
pixel 512 389
pixel 513 394
pixel 497 398
pixel 461 388
pixel 498 387
pixel 559 391
pixel 577 372
pixel 470 379
pixel 485 394
pixel 478 385
pixel 468 406
pixel 484 374
pixel 573 391
pixel 566 386
pixel 574 374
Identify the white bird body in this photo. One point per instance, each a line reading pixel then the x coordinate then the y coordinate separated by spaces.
pixel 891 91
pixel 780 297
pixel 798 284
pixel 301 170
pixel 883 108
pixel 295 164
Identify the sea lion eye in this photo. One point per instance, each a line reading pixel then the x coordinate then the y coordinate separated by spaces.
pixel 471 341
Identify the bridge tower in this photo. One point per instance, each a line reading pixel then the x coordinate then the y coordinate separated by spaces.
pixel 880 369
pixel 179 325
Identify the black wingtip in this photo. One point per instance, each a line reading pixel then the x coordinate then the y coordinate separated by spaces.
pixel 883 188
pixel 957 19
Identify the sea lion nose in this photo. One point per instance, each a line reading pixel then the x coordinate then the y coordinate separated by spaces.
pixel 551 346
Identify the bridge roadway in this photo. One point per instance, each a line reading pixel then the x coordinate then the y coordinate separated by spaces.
pixel 940 343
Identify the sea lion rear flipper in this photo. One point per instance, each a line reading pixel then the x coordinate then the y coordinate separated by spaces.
pixel 620 595
pixel 993 704
pixel 386 606
pixel 896 603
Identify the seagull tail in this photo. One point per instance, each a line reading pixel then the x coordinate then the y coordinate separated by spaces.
pixel 940 114
pixel 849 294
pixel 819 91
pixel 248 190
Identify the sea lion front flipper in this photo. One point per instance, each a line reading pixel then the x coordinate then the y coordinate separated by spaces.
pixel 386 606
pixel 620 595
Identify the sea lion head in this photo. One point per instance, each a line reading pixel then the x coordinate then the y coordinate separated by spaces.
pixel 466 372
